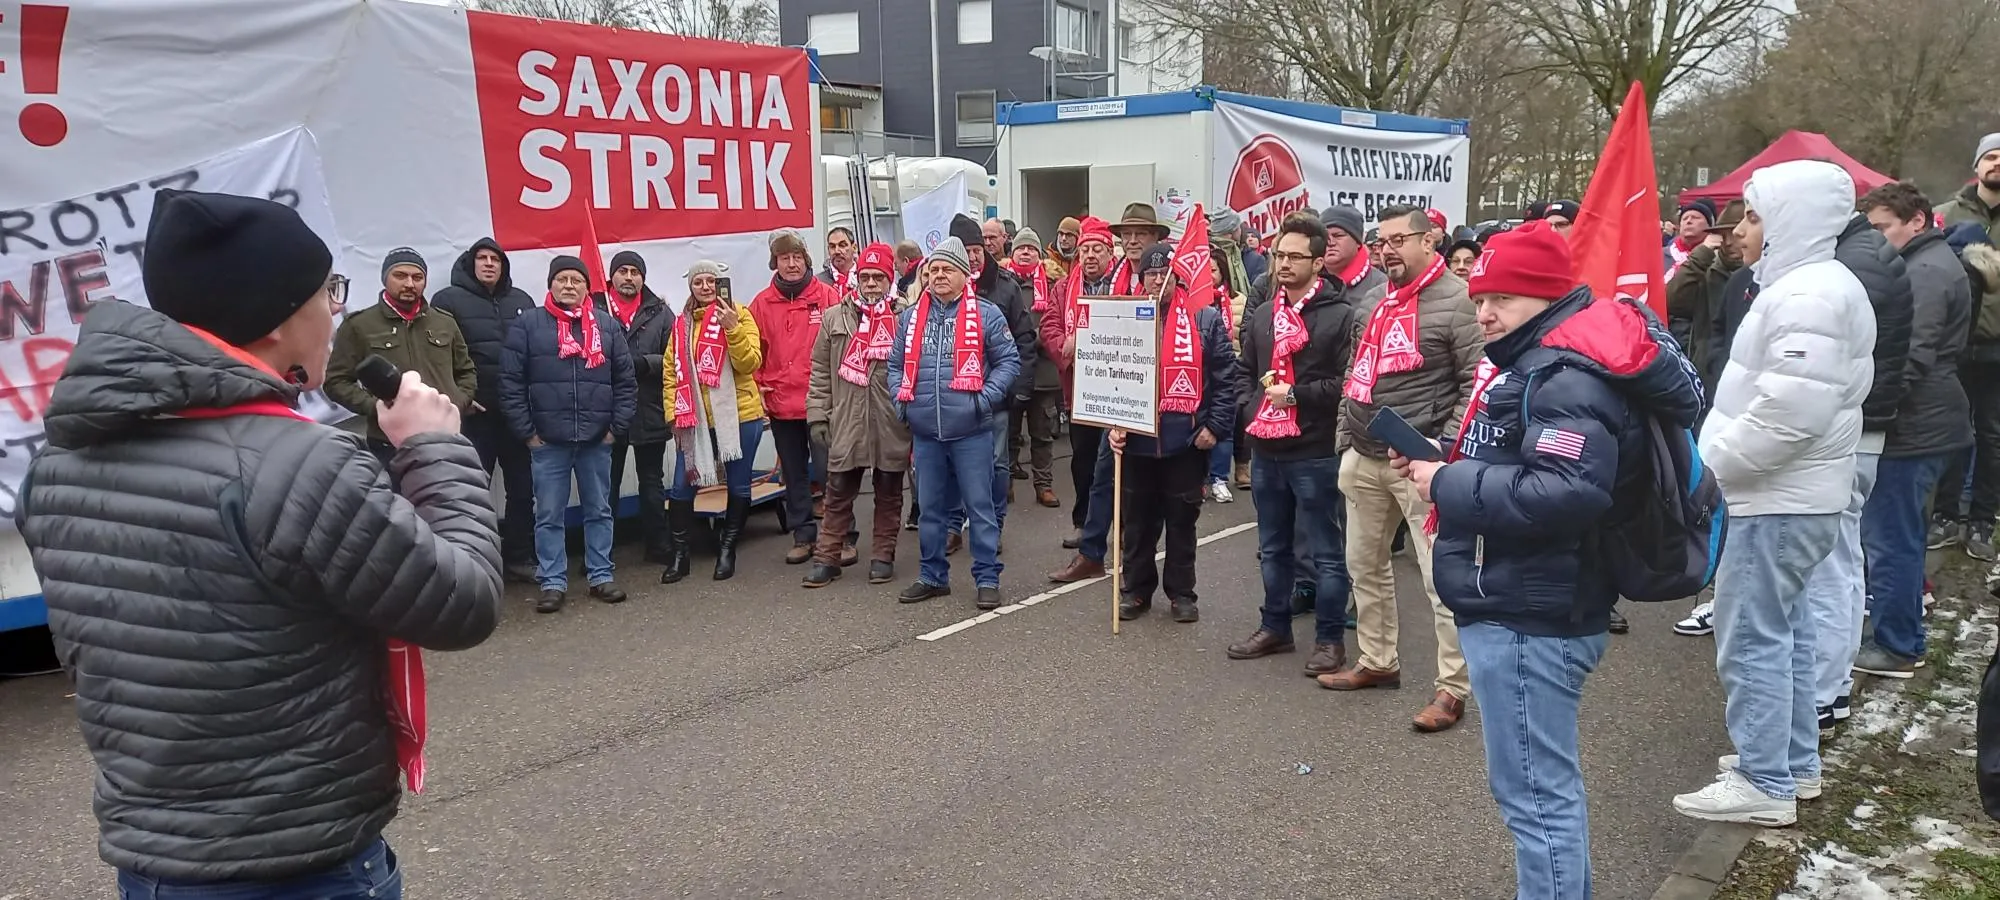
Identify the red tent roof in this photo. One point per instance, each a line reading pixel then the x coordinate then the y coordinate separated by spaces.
pixel 1792 145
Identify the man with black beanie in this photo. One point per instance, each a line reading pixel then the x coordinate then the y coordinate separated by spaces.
pixel 647 322
pixel 402 328
pixel 484 301
pixel 182 503
pixel 994 284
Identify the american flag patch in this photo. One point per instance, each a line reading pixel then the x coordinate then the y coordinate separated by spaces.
pixel 1557 442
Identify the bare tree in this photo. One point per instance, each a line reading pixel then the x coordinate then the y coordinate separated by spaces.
pixel 1658 43
pixel 1374 54
pixel 748 21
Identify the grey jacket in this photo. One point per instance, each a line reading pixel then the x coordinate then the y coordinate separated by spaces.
pixel 1935 416
pixel 1432 397
pixel 222 590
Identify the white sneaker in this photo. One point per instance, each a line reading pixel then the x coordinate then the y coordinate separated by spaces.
pixel 1732 798
pixel 1699 622
pixel 1809 788
pixel 1219 492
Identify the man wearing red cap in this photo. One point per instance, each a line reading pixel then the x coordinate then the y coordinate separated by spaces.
pixel 851 414
pixel 1558 418
pixel 1090 277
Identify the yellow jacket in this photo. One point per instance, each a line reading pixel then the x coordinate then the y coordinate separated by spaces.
pixel 746 354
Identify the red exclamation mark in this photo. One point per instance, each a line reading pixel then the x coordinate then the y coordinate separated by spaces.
pixel 42 30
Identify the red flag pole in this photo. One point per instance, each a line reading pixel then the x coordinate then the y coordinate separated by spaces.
pixel 1616 238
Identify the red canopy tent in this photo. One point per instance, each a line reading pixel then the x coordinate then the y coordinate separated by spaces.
pixel 1792 145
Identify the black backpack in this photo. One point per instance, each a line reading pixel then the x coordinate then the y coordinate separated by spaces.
pixel 1669 521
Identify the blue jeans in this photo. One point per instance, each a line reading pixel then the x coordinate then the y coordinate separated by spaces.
pixel 371 875
pixel 1094 540
pixel 1892 539
pixel 1528 689
pixel 1837 593
pixel 553 463
pixel 1220 458
pixel 1765 646
pixel 735 473
pixel 1300 499
pixel 950 473
pixel 1003 476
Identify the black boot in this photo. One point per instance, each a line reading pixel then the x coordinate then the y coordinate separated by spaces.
pixel 680 525
pixel 732 528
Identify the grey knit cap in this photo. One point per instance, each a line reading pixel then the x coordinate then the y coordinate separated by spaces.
pixel 1987 144
pixel 951 250
pixel 705 267
pixel 1026 237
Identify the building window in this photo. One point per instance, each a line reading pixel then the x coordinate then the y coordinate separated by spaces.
pixel 975 21
pixel 834 34
pixel 836 118
pixel 1128 47
pixel 975 118
pixel 1074 33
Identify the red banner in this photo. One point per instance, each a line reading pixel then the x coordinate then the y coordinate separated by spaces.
pixel 1191 260
pixel 663 136
pixel 1616 238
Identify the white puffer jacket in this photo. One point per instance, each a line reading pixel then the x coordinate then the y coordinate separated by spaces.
pixel 1787 416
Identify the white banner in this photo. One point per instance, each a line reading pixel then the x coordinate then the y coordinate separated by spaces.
pixel 1268 165
pixel 927 218
pixel 59 257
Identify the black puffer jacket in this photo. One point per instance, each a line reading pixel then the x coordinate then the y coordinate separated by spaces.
pixel 1319 373
pixel 999 287
pixel 1868 255
pixel 223 589
pixel 483 316
pixel 1935 416
pixel 647 339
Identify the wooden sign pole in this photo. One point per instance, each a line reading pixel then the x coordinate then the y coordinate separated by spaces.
pixel 1116 557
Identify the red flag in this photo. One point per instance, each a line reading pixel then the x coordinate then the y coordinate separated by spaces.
pixel 1616 238
pixel 588 251
pixel 1191 261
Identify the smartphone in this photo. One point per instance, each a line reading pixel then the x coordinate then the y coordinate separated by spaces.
pixel 722 289
pixel 1391 428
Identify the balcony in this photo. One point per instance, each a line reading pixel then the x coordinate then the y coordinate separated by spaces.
pixel 848 142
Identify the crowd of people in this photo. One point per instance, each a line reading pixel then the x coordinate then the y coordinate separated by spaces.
pixel 1829 355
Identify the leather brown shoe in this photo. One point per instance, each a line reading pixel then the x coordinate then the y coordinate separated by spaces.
pixel 1079 568
pixel 1240 476
pixel 1047 497
pixel 1443 712
pixel 799 553
pixel 849 556
pixel 1260 643
pixel 1327 659
pixel 1360 677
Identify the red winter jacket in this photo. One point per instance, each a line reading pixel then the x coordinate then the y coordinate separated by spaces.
pixel 787 329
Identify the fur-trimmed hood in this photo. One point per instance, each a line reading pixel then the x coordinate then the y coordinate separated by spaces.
pixel 1982 262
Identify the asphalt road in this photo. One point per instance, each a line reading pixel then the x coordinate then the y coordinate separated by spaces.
pixel 754 739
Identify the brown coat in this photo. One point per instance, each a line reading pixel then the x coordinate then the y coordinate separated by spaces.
pixel 863 431
pixel 1433 397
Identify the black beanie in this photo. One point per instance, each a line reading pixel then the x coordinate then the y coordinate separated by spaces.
pixel 235 267
pixel 624 258
pixel 403 256
pixel 562 263
pixel 967 231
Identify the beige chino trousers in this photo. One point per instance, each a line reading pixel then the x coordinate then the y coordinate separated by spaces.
pixel 1378 500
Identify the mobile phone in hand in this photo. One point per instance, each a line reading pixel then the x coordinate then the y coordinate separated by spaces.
pixel 1392 429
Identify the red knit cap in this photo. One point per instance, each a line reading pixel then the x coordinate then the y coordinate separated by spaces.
pixel 878 257
pixel 1529 261
pixel 1095 229
pixel 1437 219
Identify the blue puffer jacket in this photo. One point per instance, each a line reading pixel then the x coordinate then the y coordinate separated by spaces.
pixel 1217 412
pixel 935 411
pixel 560 400
pixel 1518 514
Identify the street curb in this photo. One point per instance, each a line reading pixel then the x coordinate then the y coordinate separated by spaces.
pixel 1700 871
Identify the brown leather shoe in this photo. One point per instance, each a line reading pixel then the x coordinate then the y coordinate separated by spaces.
pixel 1443 712
pixel 1240 476
pixel 799 553
pixel 1260 643
pixel 1327 659
pixel 1047 497
pixel 954 543
pixel 849 556
pixel 1079 568
pixel 1360 677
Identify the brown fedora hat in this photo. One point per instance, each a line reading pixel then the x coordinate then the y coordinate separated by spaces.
pixel 1141 215
pixel 1731 214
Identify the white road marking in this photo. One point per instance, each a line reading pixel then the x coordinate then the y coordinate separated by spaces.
pixel 1062 589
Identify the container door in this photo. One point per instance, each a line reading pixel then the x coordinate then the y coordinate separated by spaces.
pixel 1112 187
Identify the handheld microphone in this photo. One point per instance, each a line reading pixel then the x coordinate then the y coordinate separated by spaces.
pixel 380 377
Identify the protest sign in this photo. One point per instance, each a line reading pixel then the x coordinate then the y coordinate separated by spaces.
pixel 1117 383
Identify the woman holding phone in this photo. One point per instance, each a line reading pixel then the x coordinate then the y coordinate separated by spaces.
pixel 717 415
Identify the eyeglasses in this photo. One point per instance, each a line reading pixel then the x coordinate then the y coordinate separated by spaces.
pixel 1281 256
pixel 567 280
pixel 1396 241
pixel 336 290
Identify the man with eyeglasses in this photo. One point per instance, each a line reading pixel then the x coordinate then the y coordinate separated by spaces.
pixel 1418 353
pixel 402 328
pixel 1560 214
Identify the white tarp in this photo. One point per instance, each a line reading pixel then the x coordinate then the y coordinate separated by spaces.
pixel 927 218
pixel 1268 165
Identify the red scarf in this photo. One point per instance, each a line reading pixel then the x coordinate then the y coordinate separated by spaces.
pixel 408 314
pixel 1124 279
pixel 1182 372
pixel 1389 343
pixel 968 357
pixel 624 309
pixel 404 680
pixel 843 283
pixel 1357 268
pixel 698 359
pixel 1075 299
pixel 592 346
pixel 871 340
pixel 1288 336
pixel 1482 378
pixel 1038 277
